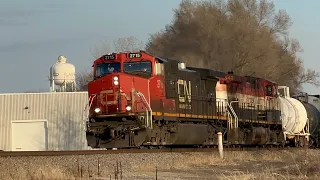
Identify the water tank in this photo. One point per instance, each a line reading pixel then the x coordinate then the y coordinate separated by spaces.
pixel 63 72
pixel 293 115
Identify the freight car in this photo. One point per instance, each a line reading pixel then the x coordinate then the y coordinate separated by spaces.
pixel 312 105
pixel 137 99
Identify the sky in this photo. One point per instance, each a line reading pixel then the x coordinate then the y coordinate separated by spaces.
pixel 34 33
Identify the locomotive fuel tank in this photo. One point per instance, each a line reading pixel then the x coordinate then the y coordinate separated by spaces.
pixel 183 135
pixel 293 113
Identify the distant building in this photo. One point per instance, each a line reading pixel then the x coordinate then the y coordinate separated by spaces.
pixel 43 121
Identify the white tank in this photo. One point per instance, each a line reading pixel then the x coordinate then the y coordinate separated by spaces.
pixel 63 72
pixel 293 115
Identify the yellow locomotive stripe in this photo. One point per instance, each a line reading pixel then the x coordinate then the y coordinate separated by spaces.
pixel 188 115
pixel 207 117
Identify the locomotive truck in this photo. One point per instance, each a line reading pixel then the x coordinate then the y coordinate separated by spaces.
pixel 138 100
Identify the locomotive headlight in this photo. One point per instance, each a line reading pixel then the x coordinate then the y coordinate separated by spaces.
pixel 128 108
pixel 116 80
pixel 97 110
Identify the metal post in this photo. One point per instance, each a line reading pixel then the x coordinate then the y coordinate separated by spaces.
pixel 220 145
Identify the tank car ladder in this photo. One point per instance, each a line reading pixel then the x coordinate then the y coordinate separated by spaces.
pixel 148 116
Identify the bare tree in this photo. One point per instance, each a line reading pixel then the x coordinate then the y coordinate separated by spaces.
pixel 244 36
pixel 130 43
pixel 82 80
pixel 100 50
pixel 121 44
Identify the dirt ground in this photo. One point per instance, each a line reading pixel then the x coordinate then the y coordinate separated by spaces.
pixel 298 164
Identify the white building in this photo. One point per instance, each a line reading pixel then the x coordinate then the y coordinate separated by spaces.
pixel 43 121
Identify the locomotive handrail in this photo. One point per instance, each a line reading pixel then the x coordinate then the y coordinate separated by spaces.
pixel 88 106
pixel 91 98
pixel 235 123
pixel 149 110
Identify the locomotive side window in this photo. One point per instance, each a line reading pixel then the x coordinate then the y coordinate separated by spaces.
pixel 159 69
pixel 106 68
pixel 268 90
pixel 138 68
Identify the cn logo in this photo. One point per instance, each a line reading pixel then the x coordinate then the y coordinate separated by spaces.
pixel 184 91
pixel 108 97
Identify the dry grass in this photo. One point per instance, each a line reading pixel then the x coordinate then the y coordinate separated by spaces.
pixel 39 173
pixel 302 164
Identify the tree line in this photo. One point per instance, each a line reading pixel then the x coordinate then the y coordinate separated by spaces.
pixel 248 37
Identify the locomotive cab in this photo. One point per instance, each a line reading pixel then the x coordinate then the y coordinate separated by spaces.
pixel 121 85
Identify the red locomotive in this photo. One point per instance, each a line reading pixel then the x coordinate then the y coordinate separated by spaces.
pixel 137 99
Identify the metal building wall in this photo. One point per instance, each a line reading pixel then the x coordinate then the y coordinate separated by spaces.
pixel 65 112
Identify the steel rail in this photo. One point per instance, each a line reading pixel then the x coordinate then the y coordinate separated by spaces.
pixel 121 151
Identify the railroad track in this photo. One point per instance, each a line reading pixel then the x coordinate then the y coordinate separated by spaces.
pixel 119 151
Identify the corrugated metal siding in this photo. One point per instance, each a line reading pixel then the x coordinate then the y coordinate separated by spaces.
pixel 63 110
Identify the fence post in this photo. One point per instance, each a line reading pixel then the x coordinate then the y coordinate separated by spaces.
pixel 98 167
pixel 220 145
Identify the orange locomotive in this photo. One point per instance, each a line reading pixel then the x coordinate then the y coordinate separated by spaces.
pixel 137 99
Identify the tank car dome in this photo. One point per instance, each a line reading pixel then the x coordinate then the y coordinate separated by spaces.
pixel 63 72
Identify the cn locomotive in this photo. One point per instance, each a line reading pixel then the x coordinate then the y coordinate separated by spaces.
pixel 137 100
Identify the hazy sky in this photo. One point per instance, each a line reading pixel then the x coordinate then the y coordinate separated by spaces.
pixel 34 33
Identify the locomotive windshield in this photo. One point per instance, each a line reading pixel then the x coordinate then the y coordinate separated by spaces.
pixel 107 68
pixel 142 68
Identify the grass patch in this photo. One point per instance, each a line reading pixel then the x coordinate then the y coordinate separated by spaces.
pixel 297 164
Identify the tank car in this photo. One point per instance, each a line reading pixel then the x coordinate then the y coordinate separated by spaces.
pixel 137 99
pixel 295 121
pixel 312 106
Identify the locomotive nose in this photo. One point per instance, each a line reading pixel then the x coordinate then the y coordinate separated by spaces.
pixel 111 96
